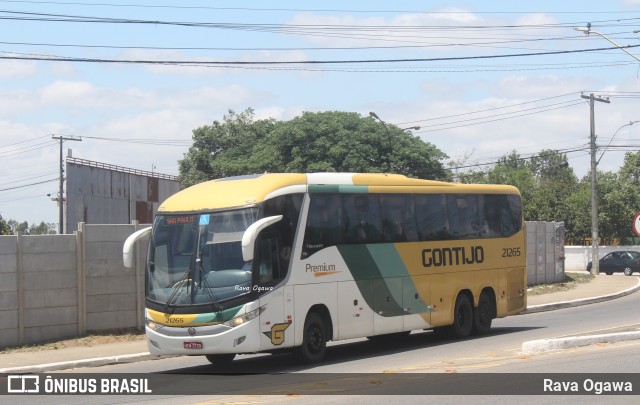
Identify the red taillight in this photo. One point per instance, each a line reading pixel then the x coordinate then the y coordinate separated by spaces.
pixel 638 262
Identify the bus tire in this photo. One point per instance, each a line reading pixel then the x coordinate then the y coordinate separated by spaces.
pixel 314 339
pixel 483 315
pixel 220 359
pixel 462 318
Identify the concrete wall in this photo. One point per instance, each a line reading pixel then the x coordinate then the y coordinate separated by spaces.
pixel 59 286
pixel 545 252
pixel 114 294
pixel 577 257
pixel 8 290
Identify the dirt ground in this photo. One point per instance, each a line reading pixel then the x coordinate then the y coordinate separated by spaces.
pixel 92 339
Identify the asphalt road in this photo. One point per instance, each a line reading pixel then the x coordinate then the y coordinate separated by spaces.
pixel 498 352
pixel 420 352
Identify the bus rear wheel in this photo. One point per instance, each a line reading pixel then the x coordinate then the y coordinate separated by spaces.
pixel 462 318
pixel 483 315
pixel 314 340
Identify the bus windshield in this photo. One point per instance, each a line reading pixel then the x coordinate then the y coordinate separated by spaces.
pixel 197 259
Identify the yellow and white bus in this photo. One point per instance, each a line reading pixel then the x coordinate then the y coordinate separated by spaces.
pixel 290 261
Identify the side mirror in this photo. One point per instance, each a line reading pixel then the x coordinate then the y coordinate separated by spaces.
pixel 250 235
pixel 129 244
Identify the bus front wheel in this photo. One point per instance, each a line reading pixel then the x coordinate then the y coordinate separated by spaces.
pixel 220 359
pixel 462 318
pixel 314 341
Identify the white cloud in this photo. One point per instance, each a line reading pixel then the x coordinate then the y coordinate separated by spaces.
pixel 65 92
pixel 17 69
pixel 520 86
pixel 63 69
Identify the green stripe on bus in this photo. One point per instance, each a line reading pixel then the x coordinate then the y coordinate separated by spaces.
pixel 388 260
pixel 392 270
pixel 222 316
pixel 381 295
pixel 334 188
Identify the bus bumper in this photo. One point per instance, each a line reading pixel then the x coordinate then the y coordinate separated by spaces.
pixel 216 339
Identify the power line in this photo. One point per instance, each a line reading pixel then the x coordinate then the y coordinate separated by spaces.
pixel 263 9
pixel 28 178
pixel 485 121
pixel 316 48
pixel 28 185
pixel 489 109
pixel 51 17
pixel 23 198
pixel 26 149
pixel 301 62
pixel 17 143
pixel 158 142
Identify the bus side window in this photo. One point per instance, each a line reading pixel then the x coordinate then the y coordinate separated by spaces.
pixel 463 215
pixel 491 227
pixel 398 218
pixel 511 215
pixel 431 213
pixel 289 207
pixel 324 224
pixel 269 260
pixel 363 214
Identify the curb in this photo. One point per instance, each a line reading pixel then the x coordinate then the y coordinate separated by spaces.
pixel 582 301
pixel 546 345
pixel 95 362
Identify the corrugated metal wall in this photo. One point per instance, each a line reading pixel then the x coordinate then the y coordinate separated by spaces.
pixel 99 193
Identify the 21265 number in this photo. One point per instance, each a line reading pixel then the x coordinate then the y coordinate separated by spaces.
pixel 511 252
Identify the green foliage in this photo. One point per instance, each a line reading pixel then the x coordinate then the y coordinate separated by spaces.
pixel 224 149
pixel 313 142
pixel 348 142
pixel 4 227
pixel 551 192
pixel 13 227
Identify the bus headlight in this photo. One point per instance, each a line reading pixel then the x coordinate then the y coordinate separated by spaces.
pixel 239 320
pixel 153 325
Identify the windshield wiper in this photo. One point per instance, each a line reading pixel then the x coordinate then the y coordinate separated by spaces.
pixel 204 284
pixel 176 287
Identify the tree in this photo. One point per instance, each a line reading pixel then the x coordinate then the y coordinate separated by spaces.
pixel 555 182
pixel 325 141
pixel 548 186
pixel 621 200
pixel 4 227
pixel 42 229
pixel 223 149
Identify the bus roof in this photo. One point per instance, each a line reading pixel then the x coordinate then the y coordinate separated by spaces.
pixel 240 191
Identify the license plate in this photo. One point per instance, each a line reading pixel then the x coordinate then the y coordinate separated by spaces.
pixel 193 345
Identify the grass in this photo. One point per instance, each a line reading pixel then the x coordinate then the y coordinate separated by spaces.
pixel 571 280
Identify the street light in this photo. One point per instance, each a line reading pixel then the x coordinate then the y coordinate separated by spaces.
pixel 614 134
pixel 587 30
pixel 415 128
pixel 375 116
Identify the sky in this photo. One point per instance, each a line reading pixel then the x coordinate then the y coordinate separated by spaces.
pixel 132 79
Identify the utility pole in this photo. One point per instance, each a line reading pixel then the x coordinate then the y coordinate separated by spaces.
pixel 388 158
pixel 62 138
pixel 595 259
